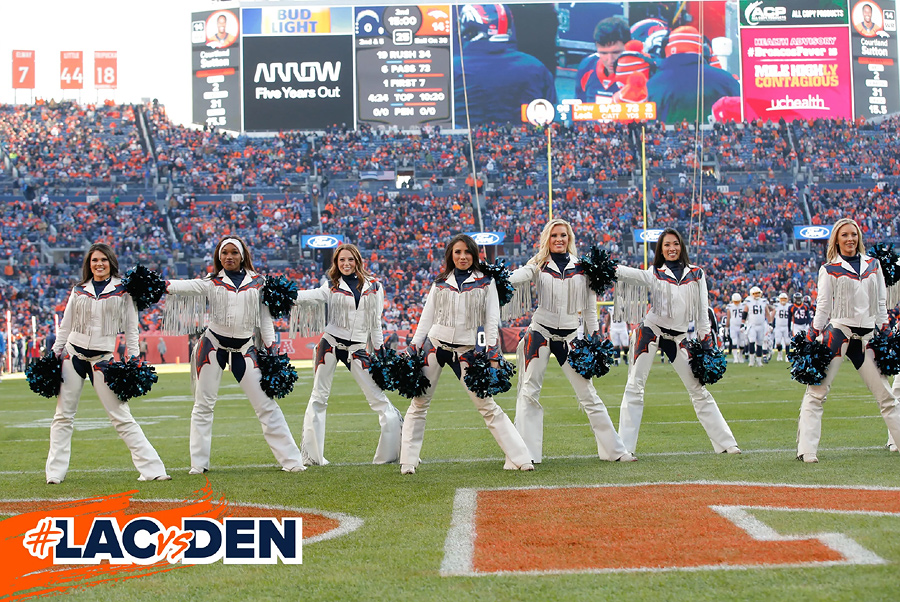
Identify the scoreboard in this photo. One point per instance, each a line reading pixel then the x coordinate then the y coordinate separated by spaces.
pixel 403 65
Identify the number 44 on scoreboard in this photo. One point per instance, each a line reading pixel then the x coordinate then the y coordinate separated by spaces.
pixel 71 70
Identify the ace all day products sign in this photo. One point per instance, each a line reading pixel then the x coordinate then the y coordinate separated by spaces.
pixel 796 73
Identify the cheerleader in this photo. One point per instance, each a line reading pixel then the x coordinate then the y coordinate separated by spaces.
pixel 851 305
pixel 461 299
pixel 678 295
pixel 355 301
pixel 231 297
pixel 97 310
pixel 564 302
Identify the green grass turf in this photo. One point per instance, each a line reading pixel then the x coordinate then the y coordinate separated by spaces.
pixel 397 553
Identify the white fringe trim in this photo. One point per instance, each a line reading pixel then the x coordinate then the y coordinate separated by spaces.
pixel 629 302
pixel 520 304
pixel 184 314
pixel 445 303
pixel 111 311
pixel 307 319
pixel 893 295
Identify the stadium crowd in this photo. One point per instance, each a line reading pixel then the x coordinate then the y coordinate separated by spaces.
pixel 167 196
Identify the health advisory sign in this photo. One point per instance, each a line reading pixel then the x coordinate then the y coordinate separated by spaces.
pixel 403 65
pixel 796 73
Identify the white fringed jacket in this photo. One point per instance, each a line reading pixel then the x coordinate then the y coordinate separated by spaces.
pixel 235 310
pixel 345 320
pixel 673 303
pixel 563 298
pixel 92 320
pixel 453 312
pixel 848 299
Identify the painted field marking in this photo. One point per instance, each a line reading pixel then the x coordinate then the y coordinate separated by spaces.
pixel 649 527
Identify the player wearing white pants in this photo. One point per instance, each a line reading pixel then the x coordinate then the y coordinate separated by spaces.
pixel 461 299
pixel 756 308
pixel 236 312
pixel 734 315
pixel 564 299
pixel 851 304
pixel 618 336
pixel 780 335
pixel 678 294
pixel 97 310
pixel 355 302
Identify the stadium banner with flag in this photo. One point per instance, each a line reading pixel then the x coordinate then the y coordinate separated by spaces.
pixel 23 69
pixel 812 232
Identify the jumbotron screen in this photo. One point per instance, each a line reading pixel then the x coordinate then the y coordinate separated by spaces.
pixel 270 68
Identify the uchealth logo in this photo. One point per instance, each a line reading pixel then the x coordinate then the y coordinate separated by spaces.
pixel 53 546
pixel 815 232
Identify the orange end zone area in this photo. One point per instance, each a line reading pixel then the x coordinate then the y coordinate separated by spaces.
pixel 650 527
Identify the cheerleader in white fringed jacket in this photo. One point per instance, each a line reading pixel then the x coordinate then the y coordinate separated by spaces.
pixel 461 299
pixel 851 304
pixel 678 295
pixel 231 296
pixel 97 310
pixel 355 303
pixel 565 301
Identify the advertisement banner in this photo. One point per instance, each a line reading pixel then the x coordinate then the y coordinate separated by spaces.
pixel 796 73
pixel 755 13
pixel 23 69
pixel 215 66
pixel 321 241
pixel 873 44
pixel 487 238
pixel 71 70
pixel 403 65
pixel 298 82
pixel 650 235
pixel 106 76
pixel 308 20
pixel 812 232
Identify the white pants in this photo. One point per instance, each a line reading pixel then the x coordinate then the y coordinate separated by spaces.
pixel 313 441
pixel 618 338
pixel 736 335
pixel 208 376
pixel 756 334
pixel 782 337
pixel 533 355
pixel 643 353
pixel 143 455
pixel 795 328
pixel 495 418
pixel 809 429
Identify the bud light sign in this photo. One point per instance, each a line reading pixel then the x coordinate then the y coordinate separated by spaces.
pixel 651 235
pixel 812 232
pixel 321 241
pixel 487 238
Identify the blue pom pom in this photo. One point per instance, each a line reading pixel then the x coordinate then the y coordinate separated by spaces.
pixel 279 294
pixel 599 269
pixel 499 272
pixel 707 364
pixel 886 347
pixel 277 375
pixel 382 367
pixel 482 378
pixel 887 257
pixel 144 285
pixel 591 356
pixel 44 375
pixel 809 360
pixel 130 379
pixel 408 376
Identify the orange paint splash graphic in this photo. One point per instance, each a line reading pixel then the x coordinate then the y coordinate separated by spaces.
pixel 26 537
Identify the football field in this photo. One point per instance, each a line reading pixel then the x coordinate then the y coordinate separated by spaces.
pixel 682 523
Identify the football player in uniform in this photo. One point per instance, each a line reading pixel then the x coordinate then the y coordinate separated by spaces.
pixel 734 317
pixel 782 317
pixel 756 308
